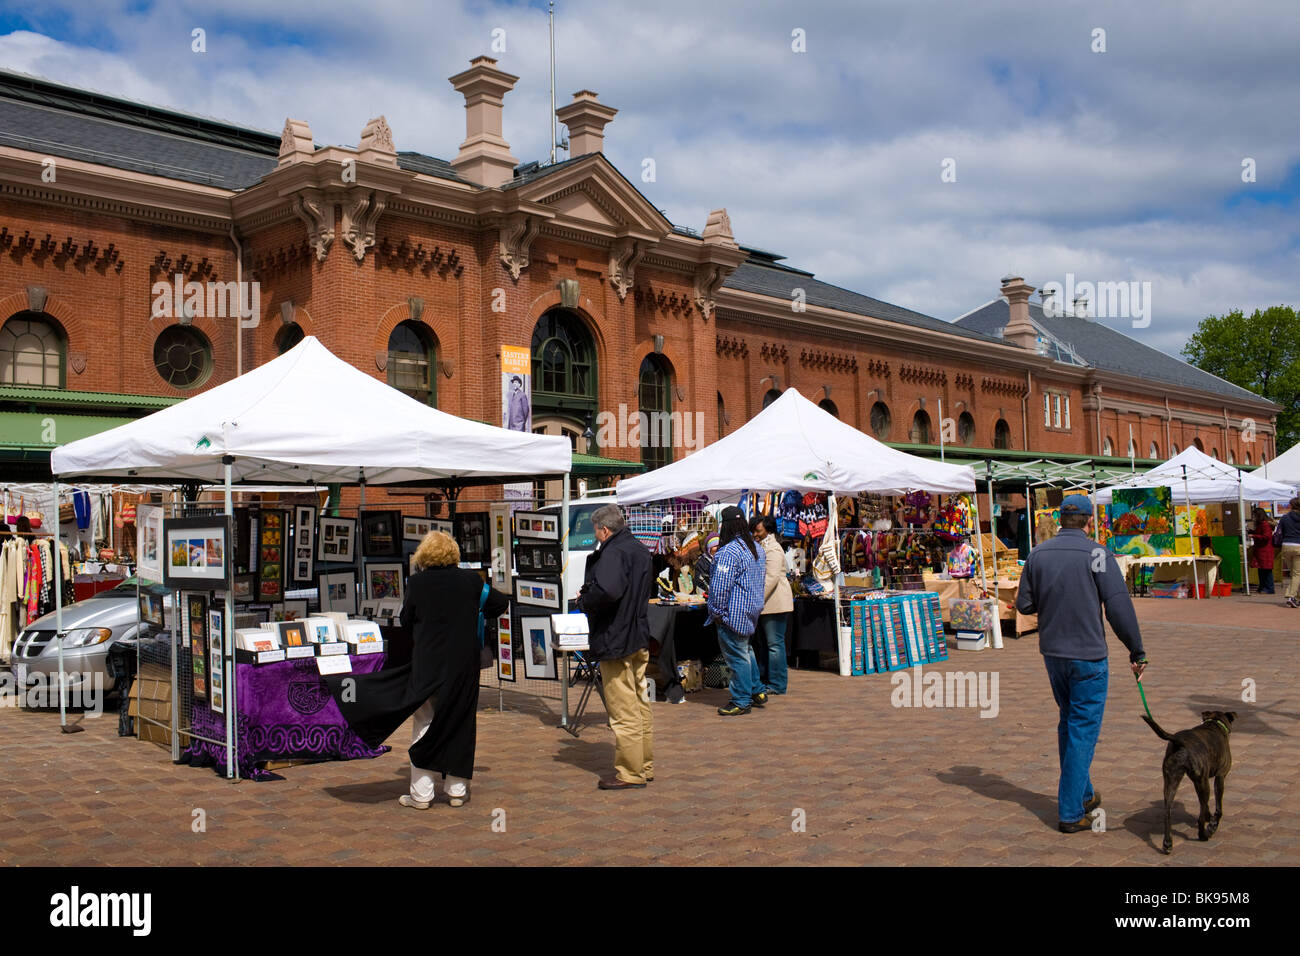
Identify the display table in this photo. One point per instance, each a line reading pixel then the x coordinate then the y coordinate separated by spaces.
pixel 1206 566
pixel 678 632
pixel 967 588
pixel 285 713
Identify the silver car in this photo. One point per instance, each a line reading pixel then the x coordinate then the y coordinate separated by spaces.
pixel 90 628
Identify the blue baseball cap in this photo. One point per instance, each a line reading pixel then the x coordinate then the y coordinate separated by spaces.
pixel 1076 505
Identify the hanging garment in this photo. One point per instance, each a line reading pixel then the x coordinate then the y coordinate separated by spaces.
pixel 787 514
pixel 813 515
pixel 81 509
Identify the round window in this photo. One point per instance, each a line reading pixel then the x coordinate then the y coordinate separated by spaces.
pixel 183 356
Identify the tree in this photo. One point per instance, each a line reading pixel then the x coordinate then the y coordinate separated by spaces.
pixel 1260 352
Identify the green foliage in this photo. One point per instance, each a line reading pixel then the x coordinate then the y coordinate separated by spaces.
pixel 1260 352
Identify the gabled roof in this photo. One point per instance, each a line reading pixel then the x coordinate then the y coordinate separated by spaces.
pixel 1104 348
pixel 762 274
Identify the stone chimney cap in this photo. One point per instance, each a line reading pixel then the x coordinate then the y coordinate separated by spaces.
pixel 483 73
pixel 1012 277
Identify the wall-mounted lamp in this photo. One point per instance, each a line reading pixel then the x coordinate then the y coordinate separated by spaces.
pixel 286 312
pixel 569 292
pixel 659 345
pixel 416 305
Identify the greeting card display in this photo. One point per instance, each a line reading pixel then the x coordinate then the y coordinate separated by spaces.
pixel 272 541
pixel 336 540
pixel 196 552
pixel 304 539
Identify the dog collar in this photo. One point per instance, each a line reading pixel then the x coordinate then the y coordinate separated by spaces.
pixel 1223 725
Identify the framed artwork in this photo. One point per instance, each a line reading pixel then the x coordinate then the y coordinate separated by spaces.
pixel 292 633
pixel 384 581
pixel 446 527
pixel 294 610
pixel 242 534
pixel 245 588
pixel 272 543
pixel 414 529
pixel 505 649
pixel 151 608
pixel 379 533
pixel 538 593
pixel 196 624
pixel 148 542
pixel 304 540
pixel 369 610
pixel 537 526
pixel 499 523
pixel 196 552
pixel 539 659
pixel 537 558
pixel 472 536
pixel 338 591
pixel 216 641
pixel 336 540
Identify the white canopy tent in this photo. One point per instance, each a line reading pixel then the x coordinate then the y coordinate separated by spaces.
pixel 1201 479
pixel 795 445
pixel 307 417
pixel 1285 468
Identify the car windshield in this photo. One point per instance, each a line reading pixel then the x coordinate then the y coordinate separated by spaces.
pixel 582 533
pixel 127 588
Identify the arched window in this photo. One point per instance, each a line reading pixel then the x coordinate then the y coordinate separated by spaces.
pixel 1132 449
pixel 1214 453
pixel 1232 457
pixel 771 396
pixel 881 421
pixel 1248 461
pixel 920 428
pixel 655 400
pixel 183 356
pixel 828 406
pixel 1173 449
pixel 966 428
pixel 289 336
pixel 564 367
pixel 31 352
pixel 722 416
pixel 1002 434
pixel 1108 447
pixel 1198 444
pixel 413 362
pixel 1153 451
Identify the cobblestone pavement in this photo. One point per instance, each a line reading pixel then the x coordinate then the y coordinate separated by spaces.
pixel 870 782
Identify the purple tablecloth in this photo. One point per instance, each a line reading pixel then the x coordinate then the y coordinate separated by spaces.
pixel 285 713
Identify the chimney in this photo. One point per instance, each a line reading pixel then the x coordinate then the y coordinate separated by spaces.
pixel 586 118
pixel 484 157
pixel 1019 330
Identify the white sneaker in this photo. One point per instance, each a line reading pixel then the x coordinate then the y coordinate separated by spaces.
pixel 407 800
pixel 458 799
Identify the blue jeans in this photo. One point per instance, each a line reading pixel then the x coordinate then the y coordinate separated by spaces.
pixel 739 655
pixel 772 666
pixel 1080 689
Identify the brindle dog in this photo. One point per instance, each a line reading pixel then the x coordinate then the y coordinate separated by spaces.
pixel 1201 753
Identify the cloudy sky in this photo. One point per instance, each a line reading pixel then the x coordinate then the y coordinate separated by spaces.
pixel 1122 165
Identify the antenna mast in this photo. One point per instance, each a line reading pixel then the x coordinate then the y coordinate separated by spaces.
pixel 551 18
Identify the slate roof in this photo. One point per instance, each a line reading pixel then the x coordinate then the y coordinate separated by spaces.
pixel 1105 348
pixel 57 120
pixel 761 274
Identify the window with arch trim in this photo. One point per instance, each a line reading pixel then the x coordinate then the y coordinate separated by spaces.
pixel 1108 447
pixel 771 396
pixel 32 352
pixel 655 402
pixel 882 422
pixel 827 405
pixel 1002 434
pixel 413 362
pixel 966 428
pixel 920 434
pixel 564 366
pixel 1153 451
pixel 288 336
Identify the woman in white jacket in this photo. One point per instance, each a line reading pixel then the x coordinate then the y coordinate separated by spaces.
pixel 778 602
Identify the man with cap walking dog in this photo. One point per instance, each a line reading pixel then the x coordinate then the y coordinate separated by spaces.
pixel 1066 581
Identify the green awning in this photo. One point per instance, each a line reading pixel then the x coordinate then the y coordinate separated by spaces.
pixel 591 466
pixel 42 431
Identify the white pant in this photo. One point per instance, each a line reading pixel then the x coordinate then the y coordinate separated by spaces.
pixel 422 780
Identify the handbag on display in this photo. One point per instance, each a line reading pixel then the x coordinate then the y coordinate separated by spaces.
pixel 717 674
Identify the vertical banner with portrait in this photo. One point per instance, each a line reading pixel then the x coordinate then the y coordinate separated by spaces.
pixel 517 409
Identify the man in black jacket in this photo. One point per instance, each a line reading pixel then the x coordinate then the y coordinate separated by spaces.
pixel 615 596
pixel 1065 582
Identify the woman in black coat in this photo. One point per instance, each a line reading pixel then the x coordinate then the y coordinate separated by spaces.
pixel 440 685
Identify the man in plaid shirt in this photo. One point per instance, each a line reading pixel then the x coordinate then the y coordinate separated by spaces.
pixel 735 601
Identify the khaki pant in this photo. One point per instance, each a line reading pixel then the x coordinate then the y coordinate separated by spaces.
pixel 629 716
pixel 1291 561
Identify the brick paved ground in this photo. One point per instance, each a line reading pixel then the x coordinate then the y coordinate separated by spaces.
pixel 878 784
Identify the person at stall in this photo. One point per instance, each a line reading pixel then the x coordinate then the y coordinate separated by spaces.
pixel 1288 531
pixel 615 596
pixel 735 601
pixel 440 684
pixel 704 563
pixel 1261 551
pixel 778 602
pixel 1066 581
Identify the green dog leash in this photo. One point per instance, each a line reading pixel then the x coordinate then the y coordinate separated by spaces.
pixel 1144 698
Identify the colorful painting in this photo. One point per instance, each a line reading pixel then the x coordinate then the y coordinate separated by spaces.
pixel 1141 511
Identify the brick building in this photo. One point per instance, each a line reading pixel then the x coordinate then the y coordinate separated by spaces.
pixel 419 270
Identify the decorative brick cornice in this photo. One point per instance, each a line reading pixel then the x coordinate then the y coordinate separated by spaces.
pixel 60 253
pixel 1002 386
pixel 964 380
pixel 829 361
pixel 774 352
pixel 922 375
pixel 515 236
pixel 195 270
pixel 273 262
pixel 624 255
pixel 731 346
pixel 663 300
pixel 407 256
pixel 878 368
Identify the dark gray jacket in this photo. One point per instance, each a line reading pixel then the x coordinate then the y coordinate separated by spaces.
pixel 616 597
pixel 1061 587
pixel 1289 525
